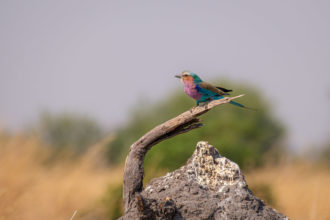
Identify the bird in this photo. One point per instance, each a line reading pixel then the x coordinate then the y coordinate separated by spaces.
pixel 203 92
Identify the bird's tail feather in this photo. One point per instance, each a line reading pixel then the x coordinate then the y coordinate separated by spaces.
pixel 241 105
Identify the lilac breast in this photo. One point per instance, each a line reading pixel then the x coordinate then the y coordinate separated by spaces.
pixel 191 90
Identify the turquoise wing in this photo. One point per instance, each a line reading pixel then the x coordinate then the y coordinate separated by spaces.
pixel 208 92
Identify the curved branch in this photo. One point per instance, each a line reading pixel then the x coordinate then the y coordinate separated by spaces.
pixel 187 121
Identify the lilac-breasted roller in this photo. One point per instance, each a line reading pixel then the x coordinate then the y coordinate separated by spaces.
pixel 203 91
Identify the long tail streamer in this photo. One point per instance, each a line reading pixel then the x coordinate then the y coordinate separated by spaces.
pixel 241 105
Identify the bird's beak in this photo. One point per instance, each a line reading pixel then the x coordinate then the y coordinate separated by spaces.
pixel 178 76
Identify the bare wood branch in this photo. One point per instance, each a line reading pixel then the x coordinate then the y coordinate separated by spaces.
pixel 185 122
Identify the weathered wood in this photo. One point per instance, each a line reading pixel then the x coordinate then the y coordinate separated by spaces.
pixel 187 121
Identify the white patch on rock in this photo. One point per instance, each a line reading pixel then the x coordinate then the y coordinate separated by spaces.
pixel 213 171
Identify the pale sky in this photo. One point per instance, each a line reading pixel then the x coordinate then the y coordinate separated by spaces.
pixel 101 57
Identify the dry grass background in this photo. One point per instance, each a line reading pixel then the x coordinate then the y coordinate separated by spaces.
pixel 301 189
pixel 31 189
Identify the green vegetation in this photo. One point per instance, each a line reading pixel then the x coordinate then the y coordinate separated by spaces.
pixel 243 136
pixel 113 201
pixel 265 192
pixel 324 154
pixel 68 131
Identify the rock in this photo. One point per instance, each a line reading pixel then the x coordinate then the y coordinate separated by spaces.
pixel 209 186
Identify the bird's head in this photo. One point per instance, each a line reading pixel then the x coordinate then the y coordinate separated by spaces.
pixel 187 76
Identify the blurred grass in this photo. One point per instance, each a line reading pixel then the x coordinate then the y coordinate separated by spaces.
pixel 29 189
pixel 301 189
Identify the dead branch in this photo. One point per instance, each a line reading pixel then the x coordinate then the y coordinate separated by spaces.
pixel 187 121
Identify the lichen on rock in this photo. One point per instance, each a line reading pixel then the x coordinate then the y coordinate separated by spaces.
pixel 212 170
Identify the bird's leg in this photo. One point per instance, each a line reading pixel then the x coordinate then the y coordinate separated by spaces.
pixel 204 104
pixel 197 104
